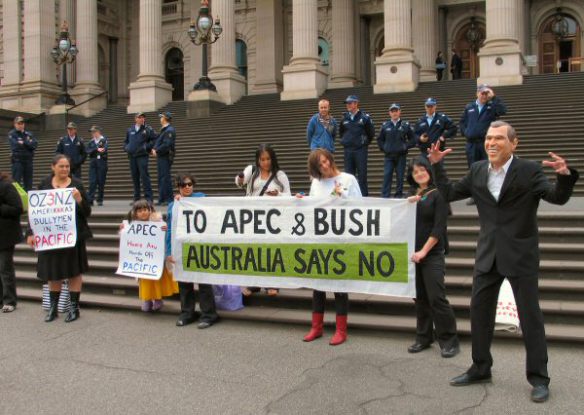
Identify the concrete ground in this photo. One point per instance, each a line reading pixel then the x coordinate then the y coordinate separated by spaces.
pixel 127 362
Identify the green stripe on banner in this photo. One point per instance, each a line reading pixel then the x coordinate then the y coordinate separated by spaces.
pixel 345 261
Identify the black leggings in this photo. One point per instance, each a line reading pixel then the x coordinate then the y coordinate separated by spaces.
pixel 341 302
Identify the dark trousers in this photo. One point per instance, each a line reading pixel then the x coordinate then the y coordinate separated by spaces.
pixel 76 171
pixel 139 171
pixel 483 307
pixel 206 301
pixel 398 164
pixel 432 307
pixel 475 152
pixel 356 164
pixel 164 180
pixel 7 277
pixel 97 176
pixel 439 74
pixel 22 173
pixel 341 302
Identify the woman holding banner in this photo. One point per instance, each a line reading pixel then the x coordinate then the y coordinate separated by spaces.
pixel 186 186
pixel 263 179
pixel 327 180
pixel 56 265
pixel 432 307
pixel 10 211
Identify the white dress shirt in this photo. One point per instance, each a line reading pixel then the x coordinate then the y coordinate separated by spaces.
pixel 497 177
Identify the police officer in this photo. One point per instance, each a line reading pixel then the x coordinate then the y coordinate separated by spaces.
pixel 139 142
pixel 164 152
pixel 356 131
pixel 73 147
pixel 395 138
pixel 22 145
pixel 97 151
pixel 475 121
pixel 433 126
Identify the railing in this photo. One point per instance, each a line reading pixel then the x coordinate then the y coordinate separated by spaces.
pixel 575 61
pixel 169 8
pixel 67 109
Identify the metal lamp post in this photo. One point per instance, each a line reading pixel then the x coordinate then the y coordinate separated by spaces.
pixel 204 32
pixel 63 53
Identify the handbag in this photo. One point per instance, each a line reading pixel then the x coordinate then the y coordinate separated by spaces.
pixel 440 66
pixel 64 298
pixel 228 297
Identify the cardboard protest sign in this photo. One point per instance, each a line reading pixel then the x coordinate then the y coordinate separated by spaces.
pixel 51 215
pixel 329 244
pixel 142 250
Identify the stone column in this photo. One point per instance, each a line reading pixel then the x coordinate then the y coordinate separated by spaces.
pixel 87 63
pixel 396 69
pixel 343 58
pixel 67 14
pixel 443 36
pixel 39 87
pixel 501 61
pixel 424 37
pixel 304 77
pixel 150 91
pixel 269 47
pixel 223 72
pixel 12 45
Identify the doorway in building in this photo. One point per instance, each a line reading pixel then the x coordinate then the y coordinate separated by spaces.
pixel 559 44
pixel 174 69
pixel 241 57
pixel 468 41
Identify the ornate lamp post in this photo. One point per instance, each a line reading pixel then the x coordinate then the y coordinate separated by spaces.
pixel 560 25
pixel 473 35
pixel 64 52
pixel 204 32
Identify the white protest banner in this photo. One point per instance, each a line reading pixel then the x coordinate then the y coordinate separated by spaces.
pixel 142 250
pixel 51 214
pixel 329 244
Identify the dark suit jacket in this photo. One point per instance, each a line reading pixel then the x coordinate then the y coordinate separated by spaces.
pixel 509 232
pixel 10 211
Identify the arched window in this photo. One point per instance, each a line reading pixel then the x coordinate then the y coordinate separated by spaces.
pixel 241 57
pixel 174 71
pixel 323 51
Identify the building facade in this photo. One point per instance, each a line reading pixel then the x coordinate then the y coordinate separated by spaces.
pixel 139 51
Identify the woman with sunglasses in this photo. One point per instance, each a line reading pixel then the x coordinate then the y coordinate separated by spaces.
pixel 264 178
pixel 186 186
pixel 432 307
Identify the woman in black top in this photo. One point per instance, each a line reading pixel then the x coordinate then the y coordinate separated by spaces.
pixel 432 307
pixel 440 66
pixel 56 265
pixel 10 211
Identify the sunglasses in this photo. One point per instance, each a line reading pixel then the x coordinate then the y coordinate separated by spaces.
pixel 187 184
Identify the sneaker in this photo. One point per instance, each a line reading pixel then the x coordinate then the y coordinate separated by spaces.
pixel 147 306
pixel 157 305
pixel 8 308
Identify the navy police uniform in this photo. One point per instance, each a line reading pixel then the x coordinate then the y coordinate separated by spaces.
pixel 97 168
pixel 394 140
pixel 22 146
pixel 164 148
pixel 138 144
pixel 356 133
pixel 440 126
pixel 75 150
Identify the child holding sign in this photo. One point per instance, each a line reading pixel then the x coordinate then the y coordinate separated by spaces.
pixel 152 291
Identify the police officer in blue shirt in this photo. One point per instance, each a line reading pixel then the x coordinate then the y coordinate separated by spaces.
pixel 22 146
pixel 139 142
pixel 164 152
pixel 433 126
pixel 97 152
pixel 356 131
pixel 73 147
pixel 395 138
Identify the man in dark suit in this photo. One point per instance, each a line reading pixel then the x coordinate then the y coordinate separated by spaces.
pixel 507 191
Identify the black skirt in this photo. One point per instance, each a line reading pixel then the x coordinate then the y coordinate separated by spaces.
pixel 61 264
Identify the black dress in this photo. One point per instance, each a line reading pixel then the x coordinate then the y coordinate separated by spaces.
pixel 61 264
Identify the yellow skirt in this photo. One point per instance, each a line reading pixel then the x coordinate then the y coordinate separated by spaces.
pixel 156 289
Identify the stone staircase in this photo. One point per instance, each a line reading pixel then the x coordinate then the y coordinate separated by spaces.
pixel 215 149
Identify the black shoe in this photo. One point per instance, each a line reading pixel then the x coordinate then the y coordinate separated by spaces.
pixel 540 393
pixel 53 308
pixel 465 379
pixel 448 352
pixel 205 324
pixel 74 309
pixel 99 203
pixel 470 202
pixel 185 320
pixel 418 347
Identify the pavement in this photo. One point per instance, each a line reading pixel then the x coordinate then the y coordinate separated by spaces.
pixel 128 362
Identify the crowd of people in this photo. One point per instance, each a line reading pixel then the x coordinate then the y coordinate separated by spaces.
pixel 505 189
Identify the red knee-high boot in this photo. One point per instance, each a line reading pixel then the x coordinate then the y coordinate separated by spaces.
pixel 316 330
pixel 340 335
